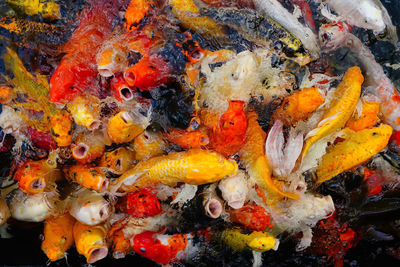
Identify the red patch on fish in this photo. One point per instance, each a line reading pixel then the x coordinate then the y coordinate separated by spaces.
pixel 77 69
pixel 151 71
pixel 148 245
pixel 228 137
pixel 42 139
pixel 140 204
pixel 252 216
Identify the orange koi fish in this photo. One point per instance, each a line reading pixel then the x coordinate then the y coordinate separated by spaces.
pixel 228 136
pixel 77 69
pixel 151 71
pixel 58 237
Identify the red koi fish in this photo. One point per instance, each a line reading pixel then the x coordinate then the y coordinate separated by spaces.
pixel 151 71
pixel 140 204
pixel 228 137
pixel 77 68
pixel 252 216
pixel 160 248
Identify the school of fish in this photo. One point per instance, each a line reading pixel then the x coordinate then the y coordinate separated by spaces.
pixel 152 108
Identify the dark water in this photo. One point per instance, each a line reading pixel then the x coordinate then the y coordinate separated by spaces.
pixel 24 248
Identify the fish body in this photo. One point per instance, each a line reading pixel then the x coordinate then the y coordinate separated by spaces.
pixel 49 9
pixel 61 128
pixel 89 207
pixel 90 241
pixel 252 155
pixel 368 117
pixel 136 12
pixel 58 237
pixel 357 148
pixel 147 145
pixel 151 71
pixel 299 105
pixel 189 14
pixel 234 189
pixel 252 216
pixel 88 177
pixel 361 13
pixel 77 68
pixel 257 241
pixel 36 89
pixel 194 166
pixel 335 36
pixel 141 204
pixel 160 248
pixel 34 176
pixel 340 110
pixel 189 139
pixel 228 136
pixel 260 30
pixel 274 10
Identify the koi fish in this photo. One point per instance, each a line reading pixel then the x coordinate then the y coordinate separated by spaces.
pixel 263 31
pixel 88 177
pixel 189 139
pixel 77 68
pixel 90 241
pixel 136 12
pixel 34 176
pixel 140 204
pixel 252 216
pixel 89 207
pixel 58 237
pixel 121 90
pixel 151 71
pixel 357 148
pixel 257 241
pixel 35 88
pixel 125 126
pixel 194 166
pixel 212 204
pixel 88 147
pixel 48 10
pixel 335 36
pixel 118 161
pixel 274 10
pixel 147 145
pixel 368 14
pixel 61 127
pixel 31 207
pixel 234 189
pixel 160 248
pixel 299 105
pixel 121 245
pixel 340 110
pixel 228 136
pixel 253 157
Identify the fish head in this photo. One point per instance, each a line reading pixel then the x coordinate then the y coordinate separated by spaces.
pixel 63 84
pixel 332 35
pixel 373 18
